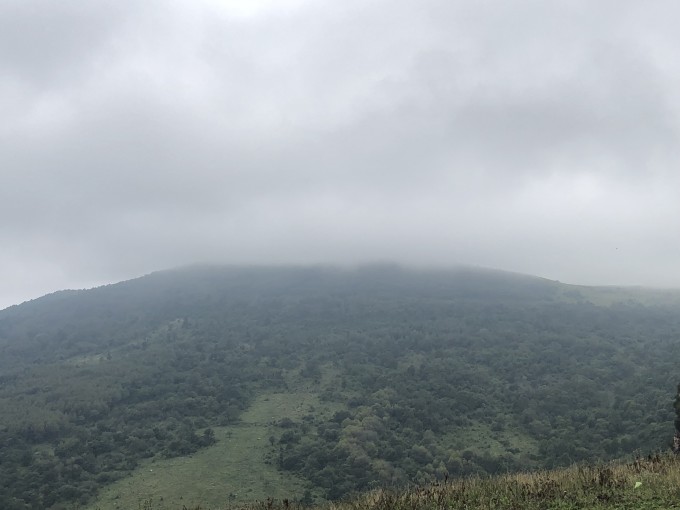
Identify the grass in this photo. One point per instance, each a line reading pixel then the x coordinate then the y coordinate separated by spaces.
pixel 608 296
pixel 644 484
pixel 234 470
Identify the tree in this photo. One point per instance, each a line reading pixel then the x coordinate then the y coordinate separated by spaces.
pixel 676 437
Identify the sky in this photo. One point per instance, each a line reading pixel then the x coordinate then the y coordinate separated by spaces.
pixel 530 136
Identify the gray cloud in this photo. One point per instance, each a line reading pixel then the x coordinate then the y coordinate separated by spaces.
pixel 524 135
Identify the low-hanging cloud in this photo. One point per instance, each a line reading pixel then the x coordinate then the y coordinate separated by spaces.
pixel 524 135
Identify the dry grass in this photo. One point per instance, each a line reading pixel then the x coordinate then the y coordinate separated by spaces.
pixel 651 483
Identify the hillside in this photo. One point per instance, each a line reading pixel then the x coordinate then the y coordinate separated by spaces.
pixel 328 380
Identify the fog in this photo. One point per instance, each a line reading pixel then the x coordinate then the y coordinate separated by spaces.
pixel 537 137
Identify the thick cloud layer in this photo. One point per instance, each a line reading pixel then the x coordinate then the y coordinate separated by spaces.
pixel 539 137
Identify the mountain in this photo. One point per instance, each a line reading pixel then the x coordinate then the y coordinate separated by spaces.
pixel 337 379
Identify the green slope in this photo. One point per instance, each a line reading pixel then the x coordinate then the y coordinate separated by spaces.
pixel 413 374
pixel 237 469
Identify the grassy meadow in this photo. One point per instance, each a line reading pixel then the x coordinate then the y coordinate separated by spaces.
pixel 238 468
pixel 651 483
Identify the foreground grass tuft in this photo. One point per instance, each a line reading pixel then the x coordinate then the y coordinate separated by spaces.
pixel 651 483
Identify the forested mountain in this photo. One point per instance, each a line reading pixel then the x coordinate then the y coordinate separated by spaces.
pixel 427 372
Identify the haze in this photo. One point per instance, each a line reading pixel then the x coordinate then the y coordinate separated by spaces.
pixel 531 136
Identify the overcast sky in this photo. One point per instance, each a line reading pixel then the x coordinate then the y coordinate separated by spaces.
pixel 533 136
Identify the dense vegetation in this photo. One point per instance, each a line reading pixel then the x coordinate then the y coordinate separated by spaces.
pixel 433 372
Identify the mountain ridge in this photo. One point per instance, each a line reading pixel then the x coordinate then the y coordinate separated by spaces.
pixel 404 374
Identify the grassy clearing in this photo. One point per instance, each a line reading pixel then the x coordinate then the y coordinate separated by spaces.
pixel 234 470
pixel 645 484
pixel 608 296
